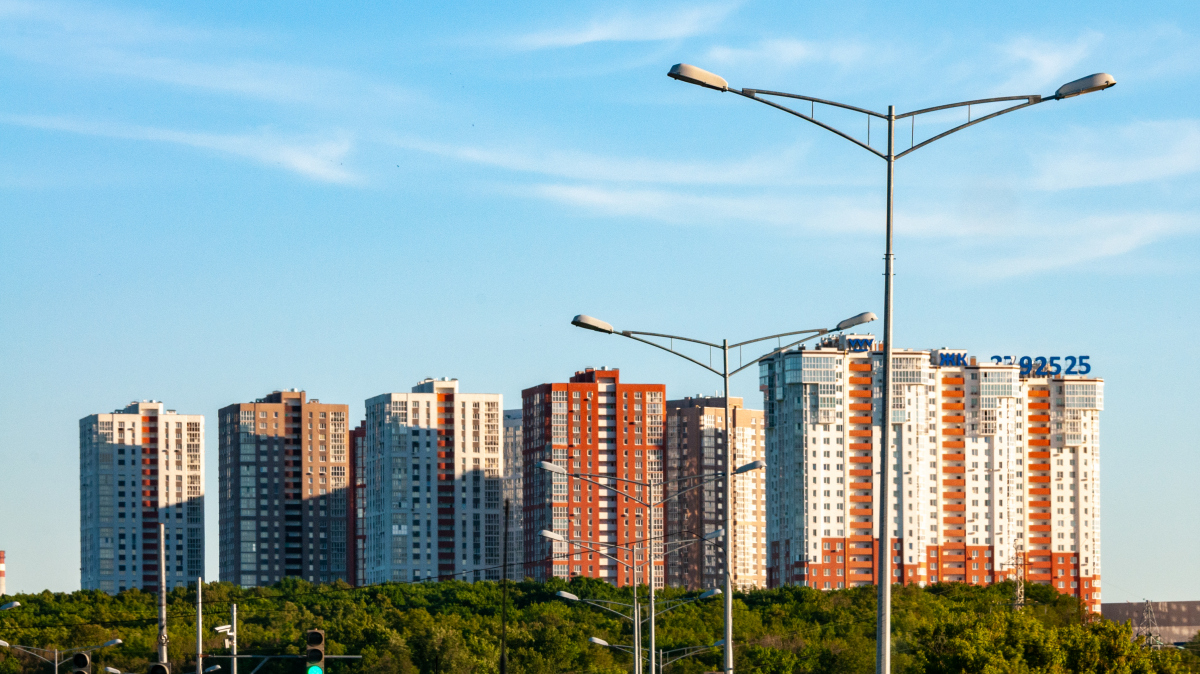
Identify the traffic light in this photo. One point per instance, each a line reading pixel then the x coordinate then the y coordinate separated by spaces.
pixel 316 652
pixel 81 662
pixel 159 668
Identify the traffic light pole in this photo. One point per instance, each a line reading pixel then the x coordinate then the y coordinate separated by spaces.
pixel 233 621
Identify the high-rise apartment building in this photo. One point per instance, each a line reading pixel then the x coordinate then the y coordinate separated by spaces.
pixel 513 494
pixel 356 549
pixel 284 465
pixel 139 467
pixel 697 444
pixel 593 424
pixel 432 467
pixel 994 468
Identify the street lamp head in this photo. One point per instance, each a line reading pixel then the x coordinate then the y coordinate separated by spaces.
pixel 10 605
pixel 114 642
pixel 3 644
pixel 753 465
pixel 710 593
pixel 588 323
pixel 1086 85
pixel 563 594
pixel 214 668
pixel 864 317
pixel 553 536
pixel 713 535
pixel 112 670
pixel 693 75
pixel 719 642
pixel 598 641
pixel 552 467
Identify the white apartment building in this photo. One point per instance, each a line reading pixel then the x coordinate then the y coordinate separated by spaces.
pixel 513 493
pixel 139 467
pixel 432 471
pixel 994 468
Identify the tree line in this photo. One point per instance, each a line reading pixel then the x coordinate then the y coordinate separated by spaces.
pixel 454 627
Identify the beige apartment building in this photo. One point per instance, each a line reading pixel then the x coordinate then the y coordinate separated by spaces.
pixel 283 481
pixel 697 445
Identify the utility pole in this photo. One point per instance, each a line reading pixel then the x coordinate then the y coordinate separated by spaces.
pixel 199 625
pixel 1148 627
pixel 1018 565
pixel 504 601
pixel 163 639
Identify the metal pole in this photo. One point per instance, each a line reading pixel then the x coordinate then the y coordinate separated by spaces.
pixel 55 663
pixel 883 626
pixel 163 639
pixel 729 445
pixel 233 622
pixel 199 625
pixel 651 564
pixel 637 622
pixel 504 600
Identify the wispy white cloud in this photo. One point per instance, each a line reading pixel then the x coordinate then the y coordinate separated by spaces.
pixel 1082 240
pixel 623 26
pixel 1039 66
pixel 980 247
pixel 778 167
pixel 318 160
pixel 1135 153
pixel 789 53
pixel 140 46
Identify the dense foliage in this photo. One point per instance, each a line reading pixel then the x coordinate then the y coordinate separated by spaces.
pixel 455 627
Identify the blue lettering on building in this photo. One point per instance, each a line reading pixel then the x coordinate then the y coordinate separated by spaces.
pixel 952 359
pixel 860 343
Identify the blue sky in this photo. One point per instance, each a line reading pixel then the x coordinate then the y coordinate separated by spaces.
pixel 204 202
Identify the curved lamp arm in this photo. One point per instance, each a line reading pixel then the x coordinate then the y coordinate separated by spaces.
pixel 1084 85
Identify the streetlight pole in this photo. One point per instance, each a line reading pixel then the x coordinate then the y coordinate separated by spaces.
pixel 728 471
pixel 730 444
pixel 693 75
pixel 633 567
pixel 883 557
pixel 635 615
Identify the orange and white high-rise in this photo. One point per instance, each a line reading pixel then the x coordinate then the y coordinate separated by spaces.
pixel 994 468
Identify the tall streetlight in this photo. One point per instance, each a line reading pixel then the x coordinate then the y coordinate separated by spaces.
pixel 698 481
pixel 1084 85
pixel 635 613
pixel 585 544
pixel 728 471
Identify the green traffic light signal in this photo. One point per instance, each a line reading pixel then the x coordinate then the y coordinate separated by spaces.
pixel 315 669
